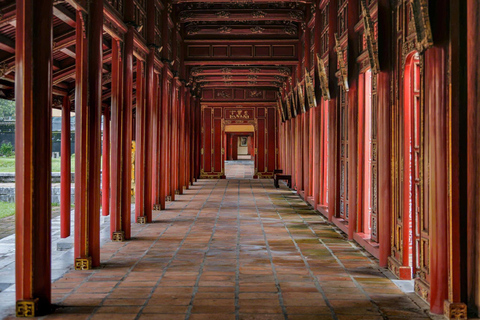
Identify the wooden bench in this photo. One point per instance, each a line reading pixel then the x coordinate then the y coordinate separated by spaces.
pixel 282 177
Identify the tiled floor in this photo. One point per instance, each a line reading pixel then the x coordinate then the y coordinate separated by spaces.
pixel 233 249
pixel 239 169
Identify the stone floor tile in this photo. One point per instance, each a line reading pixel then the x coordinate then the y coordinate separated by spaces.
pixel 231 249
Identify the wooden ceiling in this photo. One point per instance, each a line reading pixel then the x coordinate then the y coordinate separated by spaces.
pixel 225 45
pixel 241 44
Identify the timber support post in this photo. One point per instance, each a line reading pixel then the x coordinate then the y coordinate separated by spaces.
pixel 33 93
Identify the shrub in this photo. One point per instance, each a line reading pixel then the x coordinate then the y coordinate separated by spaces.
pixel 6 149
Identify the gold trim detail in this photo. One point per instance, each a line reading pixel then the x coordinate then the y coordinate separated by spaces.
pixel 26 308
pixel 310 90
pixel 301 98
pixel 177 192
pixel 372 47
pixel 323 78
pixel 83 263
pixel 157 207
pixel 341 63
pixel 119 236
pixel 454 310
pixel 142 220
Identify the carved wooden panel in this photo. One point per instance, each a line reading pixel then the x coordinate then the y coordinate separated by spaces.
pixel 342 17
pixel 140 13
pixel 243 51
pixel 158 24
pixel 238 94
pixel 117 5
pixel 324 29
pixel 418 227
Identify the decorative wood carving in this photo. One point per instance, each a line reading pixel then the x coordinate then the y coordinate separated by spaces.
pixel 370 38
pixel 423 30
pixel 310 90
pixel 301 98
pixel 280 109
pixel 289 107
pixel 341 63
pixel 323 79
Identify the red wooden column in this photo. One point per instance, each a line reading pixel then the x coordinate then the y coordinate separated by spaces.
pixel 198 142
pixel 384 132
pixel 193 135
pixel 140 149
pixel 150 114
pixel 164 136
pixel 333 127
pixel 106 164
pixel 473 140
pixel 436 97
pixel 88 131
pixel 156 127
pixel 66 171
pixel 188 145
pixel 126 142
pixel 317 126
pixel 33 95
pixel 181 140
pixel 173 142
pixel 306 155
pixel 117 128
pixel 457 166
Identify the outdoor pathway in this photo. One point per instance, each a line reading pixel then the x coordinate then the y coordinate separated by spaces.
pixel 234 249
pixel 239 169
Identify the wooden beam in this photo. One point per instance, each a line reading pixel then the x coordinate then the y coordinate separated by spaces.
pixel 7 44
pixel 64 14
pixel 242 15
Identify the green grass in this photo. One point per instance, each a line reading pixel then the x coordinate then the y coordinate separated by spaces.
pixel 7 209
pixel 7 164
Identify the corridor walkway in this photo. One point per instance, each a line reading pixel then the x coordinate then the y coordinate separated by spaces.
pixel 233 249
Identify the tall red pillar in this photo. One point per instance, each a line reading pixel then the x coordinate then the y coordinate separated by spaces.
pixel 65 167
pixel 127 131
pixel 181 141
pixel 88 145
pixel 150 113
pixel 117 165
pixel 188 145
pixel 106 164
pixel 173 143
pixel 140 149
pixel 33 96
pixel 384 133
pixel 164 139
pixel 156 127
